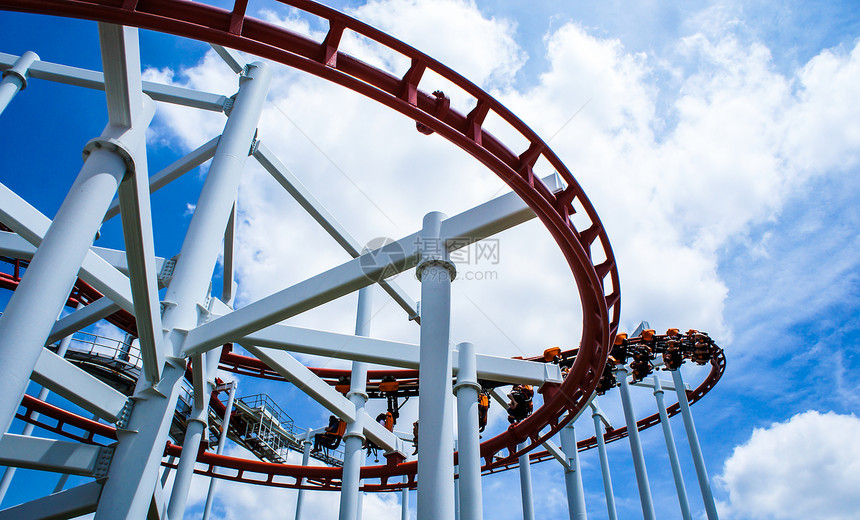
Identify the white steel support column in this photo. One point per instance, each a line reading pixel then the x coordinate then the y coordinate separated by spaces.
pixel 526 485
pixel 573 474
pixel 672 450
pixel 134 471
pixel 404 501
pixel 695 447
pixel 30 314
pixel 28 428
pixel 225 426
pixel 468 439
pixel 604 465
pixel 353 454
pixel 198 420
pixel 456 491
pixel 435 408
pixel 15 78
pixel 636 447
pixel 306 457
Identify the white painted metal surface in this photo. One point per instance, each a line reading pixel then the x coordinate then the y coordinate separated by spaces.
pixel 468 441
pixel 435 408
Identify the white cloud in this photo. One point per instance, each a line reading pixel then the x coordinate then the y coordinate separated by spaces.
pixel 823 131
pixel 807 467
pixel 482 48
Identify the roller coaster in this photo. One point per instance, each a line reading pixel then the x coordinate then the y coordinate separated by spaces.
pixel 156 404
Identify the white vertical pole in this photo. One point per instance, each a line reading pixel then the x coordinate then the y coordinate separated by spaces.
pixel 134 469
pixel 456 493
pixel 306 457
pixel 353 455
pixel 404 501
pixel 435 408
pixel 695 447
pixel 526 485
pixel 28 428
pixel 468 440
pixel 604 465
pixel 198 420
pixel 573 474
pixel 636 447
pixel 225 426
pixel 671 450
pixel 15 78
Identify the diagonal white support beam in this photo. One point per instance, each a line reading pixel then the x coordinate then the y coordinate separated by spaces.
pixel 82 318
pixel 270 162
pixel 30 224
pixel 143 272
pixel 120 50
pixel 106 279
pixel 198 381
pixel 95 80
pixel 230 57
pixel 500 397
pixel 596 410
pixel 79 387
pixel 557 454
pixel 157 507
pixel 456 232
pixel 490 218
pixel 315 291
pixel 14 246
pixel 381 436
pixel 305 380
pixel 298 374
pixel 125 101
pixel 394 353
pixel 119 259
pixel 74 458
pixel 228 277
pixel 174 170
pixel 70 503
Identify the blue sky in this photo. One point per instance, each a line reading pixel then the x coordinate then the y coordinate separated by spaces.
pixel 718 141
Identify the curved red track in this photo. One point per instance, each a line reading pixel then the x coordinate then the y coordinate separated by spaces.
pixel 587 251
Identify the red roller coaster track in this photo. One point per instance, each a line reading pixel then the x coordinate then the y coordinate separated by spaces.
pixel 587 251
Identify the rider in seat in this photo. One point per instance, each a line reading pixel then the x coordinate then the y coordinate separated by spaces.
pixel 520 405
pixel 483 409
pixel 330 440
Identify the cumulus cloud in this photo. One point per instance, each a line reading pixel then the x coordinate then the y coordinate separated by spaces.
pixel 806 467
pixel 484 48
